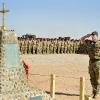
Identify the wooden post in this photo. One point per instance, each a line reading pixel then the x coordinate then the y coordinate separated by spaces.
pixel 52 87
pixel 82 88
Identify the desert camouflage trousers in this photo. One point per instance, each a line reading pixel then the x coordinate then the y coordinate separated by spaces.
pixel 94 71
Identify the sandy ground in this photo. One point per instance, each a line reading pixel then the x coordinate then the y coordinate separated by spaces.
pixel 68 69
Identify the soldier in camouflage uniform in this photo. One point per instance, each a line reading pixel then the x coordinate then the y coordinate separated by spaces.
pixel 65 46
pixel 81 50
pixel 68 46
pixel 40 46
pixel 77 46
pixel 58 46
pixel 44 46
pixel 47 46
pixel 51 46
pixel 71 46
pixel 62 46
pixel 54 46
pixel 37 47
pixel 29 47
pixel 33 46
pixel 93 47
pixel 74 46
pixel 20 45
pixel 23 46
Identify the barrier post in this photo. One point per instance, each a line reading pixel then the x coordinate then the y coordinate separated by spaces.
pixel 82 88
pixel 52 86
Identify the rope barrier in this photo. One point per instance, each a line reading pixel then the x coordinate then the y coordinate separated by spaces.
pixel 56 76
pixel 52 85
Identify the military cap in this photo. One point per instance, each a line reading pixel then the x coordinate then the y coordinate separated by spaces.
pixel 94 33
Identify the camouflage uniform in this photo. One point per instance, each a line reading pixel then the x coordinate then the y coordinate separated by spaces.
pixel 29 47
pixel 71 46
pixel 74 46
pixel 51 47
pixel 33 46
pixel 77 46
pixel 68 46
pixel 37 47
pixel 54 46
pixel 23 47
pixel 94 64
pixel 65 47
pixel 62 46
pixel 58 46
pixel 40 47
pixel 20 46
pixel 81 48
pixel 26 42
pixel 44 47
pixel 47 47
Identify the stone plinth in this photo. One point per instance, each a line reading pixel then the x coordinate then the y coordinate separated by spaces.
pixel 13 83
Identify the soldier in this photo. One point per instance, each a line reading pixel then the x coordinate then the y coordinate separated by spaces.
pixel 51 46
pixel 93 47
pixel 23 46
pixel 65 46
pixel 29 47
pixel 80 50
pixel 71 46
pixel 58 46
pixel 47 46
pixel 37 47
pixel 44 46
pixel 77 46
pixel 40 46
pixel 20 45
pixel 33 46
pixel 62 46
pixel 54 46
pixel 68 46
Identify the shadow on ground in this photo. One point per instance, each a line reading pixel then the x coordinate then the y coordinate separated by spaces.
pixel 61 93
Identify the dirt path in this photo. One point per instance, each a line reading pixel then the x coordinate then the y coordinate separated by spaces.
pixel 68 68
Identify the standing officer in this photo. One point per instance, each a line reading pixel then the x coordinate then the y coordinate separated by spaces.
pixel 93 47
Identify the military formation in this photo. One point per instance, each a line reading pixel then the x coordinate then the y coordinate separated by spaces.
pixel 50 46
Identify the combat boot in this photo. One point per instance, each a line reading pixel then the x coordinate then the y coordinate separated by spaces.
pixel 94 94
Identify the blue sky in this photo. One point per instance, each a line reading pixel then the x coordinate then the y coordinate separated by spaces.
pixel 53 18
